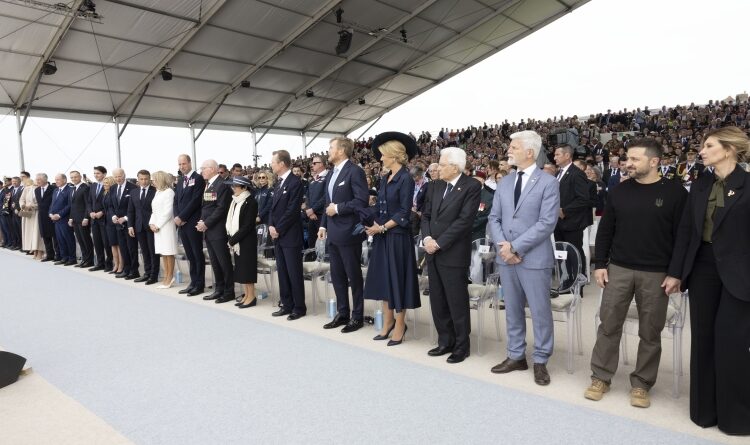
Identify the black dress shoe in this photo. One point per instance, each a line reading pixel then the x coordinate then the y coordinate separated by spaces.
pixel 95 268
pixel 194 292
pixel 59 262
pixel 224 299
pixel 541 375
pixel 70 263
pixel 457 357
pixel 281 312
pixel 133 276
pixel 338 320
pixel 107 269
pixel 213 296
pixel 387 334
pixel 251 304
pixel 141 279
pixel 440 350
pixel 86 265
pixel 294 316
pixel 151 281
pixel 112 272
pixel 187 290
pixel 44 260
pixel 510 365
pixel 398 342
pixel 352 326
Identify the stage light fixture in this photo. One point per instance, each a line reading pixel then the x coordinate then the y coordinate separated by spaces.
pixel 166 74
pixel 403 36
pixel 88 6
pixel 245 84
pixel 361 101
pixel 49 68
pixel 345 41
pixel 310 93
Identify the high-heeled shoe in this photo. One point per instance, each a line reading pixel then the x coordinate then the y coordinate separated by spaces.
pixel 251 304
pixel 166 286
pixel 398 342
pixel 387 334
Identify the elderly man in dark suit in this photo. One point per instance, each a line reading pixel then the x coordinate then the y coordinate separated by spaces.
pixel 315 196
pixel 79 219
pixel 187 211
pixel 43 194
pixel 285 228
pixel 120 196
pixel 449 212
pixel 15 218
pixel 345 195
pixel 139 214
pixel 576 201
pixel 95 210
pixel 59 211
pixel 216 199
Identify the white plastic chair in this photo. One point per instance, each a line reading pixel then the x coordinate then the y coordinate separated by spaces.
pixel 266 260
pixel 484 282
pixel 676 315
pixel 313 271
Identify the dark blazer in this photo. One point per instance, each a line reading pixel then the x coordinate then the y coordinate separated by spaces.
pixel 120 206
pixel 188 199
pixel 15 199
pixel 264 197
pixel 216 199
pixel 316 195
pixel 79 203
pixel 350 195
pixel 576 200
pixel 730 238
pixel 479 230
pixel 284 215
pixel 671 172
pixel 449 220
pixel 96 202
pixel 60 204
pixel 395 201
pixel 139 212
pixel 46 225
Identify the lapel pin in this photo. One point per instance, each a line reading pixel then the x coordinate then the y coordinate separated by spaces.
pixel 459 189
pixel 731 193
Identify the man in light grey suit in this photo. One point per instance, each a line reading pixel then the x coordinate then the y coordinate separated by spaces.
pixel 524 215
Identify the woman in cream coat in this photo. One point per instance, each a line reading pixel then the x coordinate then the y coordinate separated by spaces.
pixel 163 226
pixel 31 238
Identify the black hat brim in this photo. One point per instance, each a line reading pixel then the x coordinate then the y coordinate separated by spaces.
pixel 410 144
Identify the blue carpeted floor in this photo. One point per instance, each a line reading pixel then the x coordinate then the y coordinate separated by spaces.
pixel 165 371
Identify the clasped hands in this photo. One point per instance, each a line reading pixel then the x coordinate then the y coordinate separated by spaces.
pixel 374 229
pixel 272 231
pixel 430 245
pixel 506 255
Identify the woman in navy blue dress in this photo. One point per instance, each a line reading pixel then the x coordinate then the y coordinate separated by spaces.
pixel 392 270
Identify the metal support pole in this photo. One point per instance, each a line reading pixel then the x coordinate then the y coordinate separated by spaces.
pixel 255 147
pixel 304 144
pixel 118 153
pixel 192 143
pixel 20 140
pixel 368 128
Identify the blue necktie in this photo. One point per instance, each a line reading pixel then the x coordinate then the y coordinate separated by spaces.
pixel 517 191
pixel 333 182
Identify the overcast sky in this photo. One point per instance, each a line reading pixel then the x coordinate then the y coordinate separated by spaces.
pixel 607 54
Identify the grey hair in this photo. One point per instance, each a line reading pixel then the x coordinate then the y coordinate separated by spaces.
pixel 530 140
pixel 454 156
pixel 432 166
pixel 43 175
pixel 597 172
pixel 62 175
pixel 211 163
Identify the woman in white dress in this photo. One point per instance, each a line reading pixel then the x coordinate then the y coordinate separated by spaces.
pixel 31 238
pixel 163 226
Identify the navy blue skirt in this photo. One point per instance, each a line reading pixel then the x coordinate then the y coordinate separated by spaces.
pixel 392 272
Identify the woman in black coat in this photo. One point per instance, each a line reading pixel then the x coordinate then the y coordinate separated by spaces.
pixel 712 260
pixel 243 240
pixel 264 196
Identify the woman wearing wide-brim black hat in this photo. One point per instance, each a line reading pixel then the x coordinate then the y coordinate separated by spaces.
pixel 392 269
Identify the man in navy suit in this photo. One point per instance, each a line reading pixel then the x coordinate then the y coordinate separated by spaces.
pixel 79 219
pixel 139 214
pixel 345 194
pixel 59 211
pixel 285 228
pixel 120 196
pixel 43 193
pixel 617 173
pixel 315 196
pixel 98 224
pixel 187 211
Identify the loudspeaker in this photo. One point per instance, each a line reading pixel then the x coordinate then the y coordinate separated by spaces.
pixel 10 367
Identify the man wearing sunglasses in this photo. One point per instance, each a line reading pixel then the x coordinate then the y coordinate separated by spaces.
pixel 315 197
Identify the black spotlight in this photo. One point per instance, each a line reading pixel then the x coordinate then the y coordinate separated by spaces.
pixel 403 36
pixel 345 41
pixel 88 6
pixel 166 73
pixel 339 15
pixel 309 93
pixel 361 101
pixel 49 68
pixel 245 84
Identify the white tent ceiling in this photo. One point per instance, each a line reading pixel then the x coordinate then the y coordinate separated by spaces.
pixel 282 47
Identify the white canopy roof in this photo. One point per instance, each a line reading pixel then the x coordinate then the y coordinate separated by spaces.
pixel 106 61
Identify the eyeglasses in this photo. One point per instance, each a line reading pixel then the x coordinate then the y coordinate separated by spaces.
pixel 316 162
pixel 262 177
